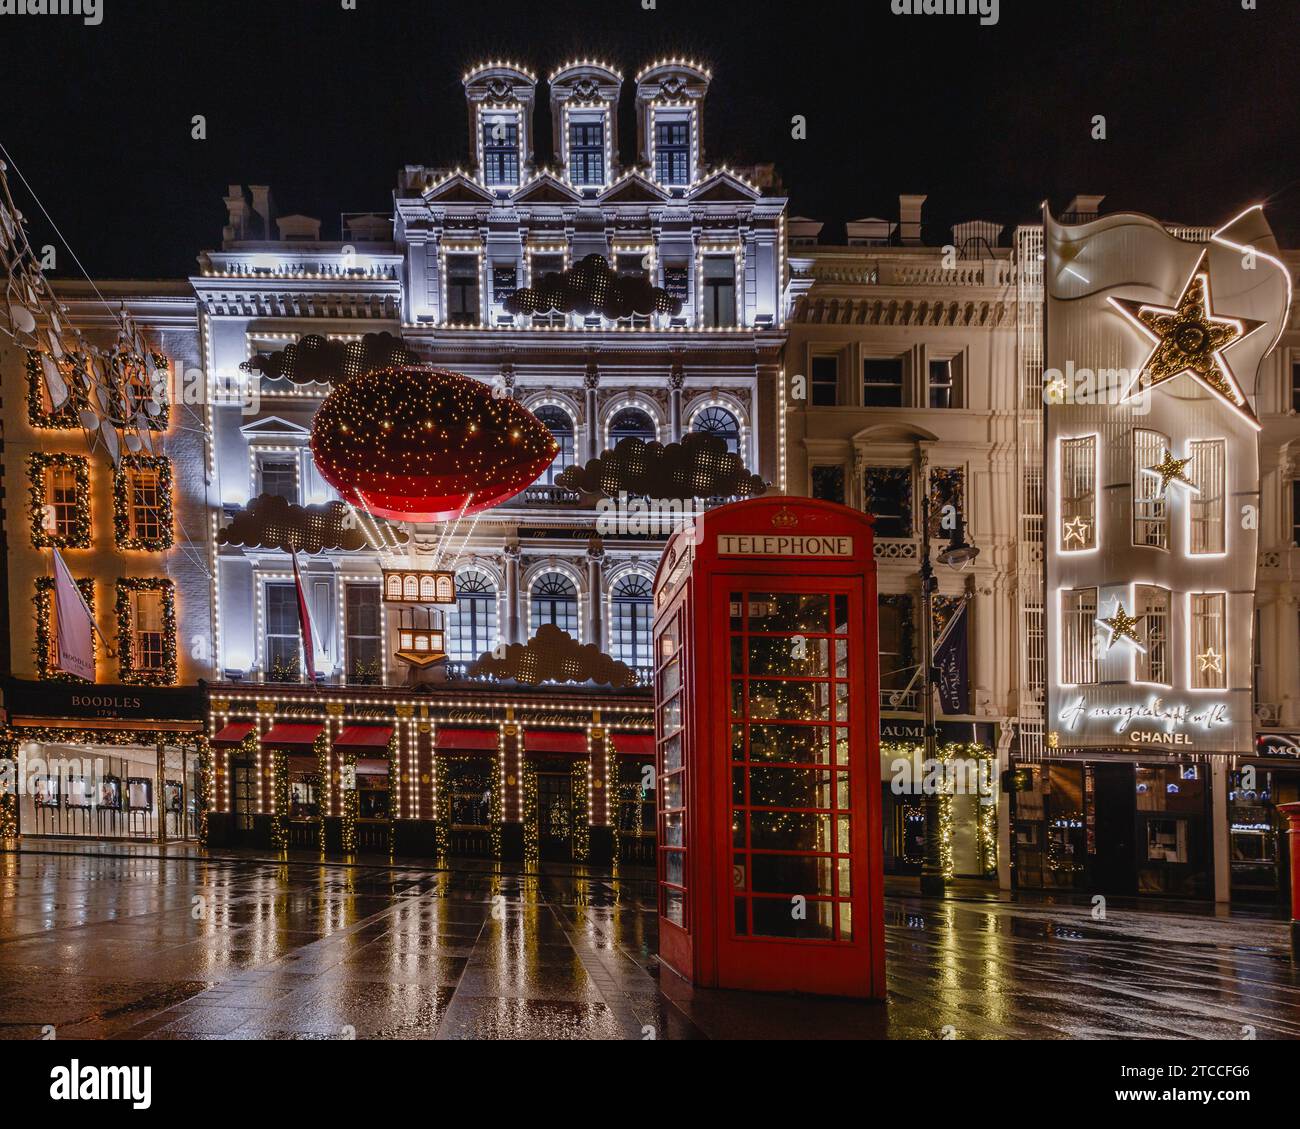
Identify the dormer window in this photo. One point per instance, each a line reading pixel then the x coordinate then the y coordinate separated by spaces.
pixel 673 153
pixel 501 151
pixel 587 153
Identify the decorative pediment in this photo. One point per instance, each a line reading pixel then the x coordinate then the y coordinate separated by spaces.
pixel 546 189
pixel 459 189
pixel 723 188
pixel 274 427
pixel 633 189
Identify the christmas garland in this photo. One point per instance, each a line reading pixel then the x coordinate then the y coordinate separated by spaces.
pixel 8 790
pixel 122 503
pixel 36 467
pixel 279 800
pixel 350 801
pixel 532 844
pixel 126 637
pixel 41 649
pixel 321 747
pixel 60 419
pixel 580 774
pixel 123 409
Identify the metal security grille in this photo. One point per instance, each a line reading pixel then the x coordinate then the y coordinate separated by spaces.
pixel 1079 627
pixel 1079 493
pixel 1152 610
pixel 1150 510
pixel 789 702
pixel 1207 504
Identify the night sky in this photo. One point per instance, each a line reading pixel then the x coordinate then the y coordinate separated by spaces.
pixel 1202 101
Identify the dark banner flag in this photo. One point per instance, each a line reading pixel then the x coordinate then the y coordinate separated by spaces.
pixel 952 662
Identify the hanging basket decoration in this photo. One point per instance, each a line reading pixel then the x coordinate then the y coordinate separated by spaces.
pixel 426 445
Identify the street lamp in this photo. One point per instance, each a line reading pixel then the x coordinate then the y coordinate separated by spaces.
pixel 958 555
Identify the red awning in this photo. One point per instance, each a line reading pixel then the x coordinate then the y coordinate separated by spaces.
pixel 364 738
pixel 291 736
pixel 372 766
pixel 233 734
pixel 554 741
pixel 635 745
pixel 469 739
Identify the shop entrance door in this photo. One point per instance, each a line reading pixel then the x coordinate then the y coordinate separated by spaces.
pixel 243 798
pixel 1114 867
pixel 555 816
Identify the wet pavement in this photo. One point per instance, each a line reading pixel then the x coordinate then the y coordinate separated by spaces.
pixel 150 943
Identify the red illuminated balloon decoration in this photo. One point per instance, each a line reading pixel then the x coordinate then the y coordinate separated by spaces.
pixel 422 444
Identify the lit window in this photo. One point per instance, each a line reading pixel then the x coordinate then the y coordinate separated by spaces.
pixel 633 617
pixel 719 291
pixel 148 648
pixel 1079 493
pixel 1207 503
pixel 720 422
pixel 474 622
pixel 673 153
pixel 279 477
pixel 148 522
pixel 558 422
pixel 364 634
pixel 283 642
pixel 462 289
pixel 555 601
pixel 1150 509
pixel 1152 606
pixel 631 423
pixel 501 152
pixel 1078 636
pixel 61 501
pixel 1209 640
pixel 587 154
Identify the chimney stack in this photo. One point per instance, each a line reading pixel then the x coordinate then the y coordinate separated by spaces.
pixel 909 218
pixel 237 215
pixel 264 206
pixel 1083 209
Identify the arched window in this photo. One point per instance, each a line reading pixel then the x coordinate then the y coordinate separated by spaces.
pixel 720 422
pixel 631 423
pixel 632 619
pixel 474 621
pixel 559 424
pixel 555 600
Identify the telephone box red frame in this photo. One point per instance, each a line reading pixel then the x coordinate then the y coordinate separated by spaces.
pixel 708 881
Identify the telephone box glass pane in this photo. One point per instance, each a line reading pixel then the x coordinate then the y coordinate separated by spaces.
pixel 790 681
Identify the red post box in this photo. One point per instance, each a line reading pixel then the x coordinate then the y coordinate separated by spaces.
pixel 768 751
pixel 1292 813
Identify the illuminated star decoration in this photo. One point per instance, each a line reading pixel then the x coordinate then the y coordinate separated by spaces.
pixel 1211 661
pixel 1123 626
pixel 1077 530
pixel 1170 469
pixel 1190 338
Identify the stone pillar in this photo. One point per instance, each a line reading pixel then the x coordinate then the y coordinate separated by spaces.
pixel 676 383
pixel 601 850
pixel 160 791
pixel 596 593
pixel 592 444
pixel 1219 830
pixel 512 594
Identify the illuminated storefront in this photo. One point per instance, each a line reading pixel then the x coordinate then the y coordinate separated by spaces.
pixel 473 771
pixel 1152 472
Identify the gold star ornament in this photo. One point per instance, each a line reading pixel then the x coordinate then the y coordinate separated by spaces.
pixel 1123 626
pixel 1076 530
pixel 1170 469
pixel 1190 338
pixel 1211 661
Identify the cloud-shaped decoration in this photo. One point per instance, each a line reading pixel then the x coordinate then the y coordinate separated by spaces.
pixel 318 360
pixel 272 522
pixel 592 287
pixel 553 655
pixel 700 466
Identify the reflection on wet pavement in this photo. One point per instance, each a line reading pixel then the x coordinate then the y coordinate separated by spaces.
pixel 131 945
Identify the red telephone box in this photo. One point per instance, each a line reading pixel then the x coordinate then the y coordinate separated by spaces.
pixel 768 751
